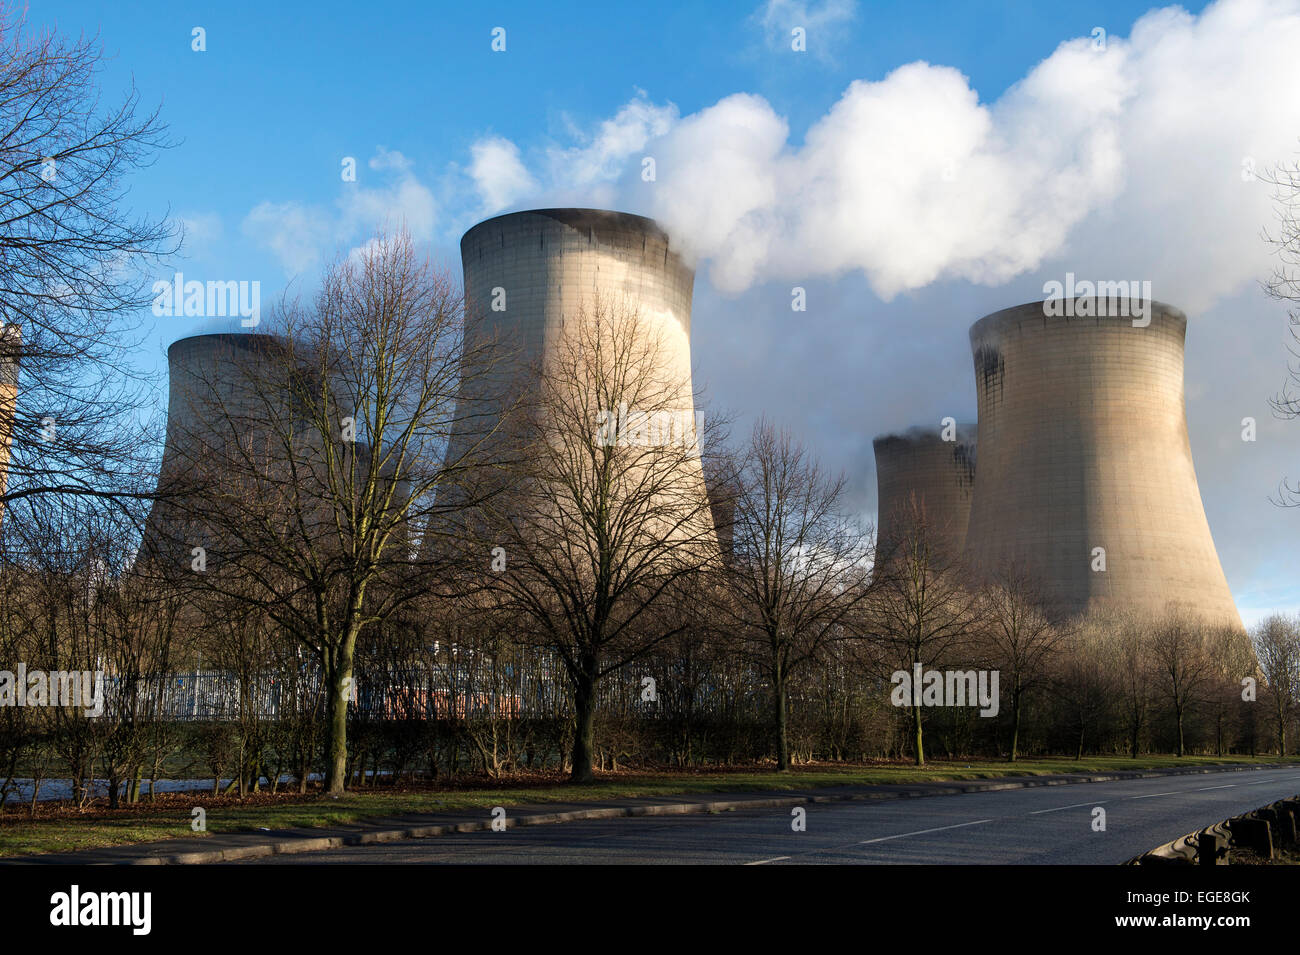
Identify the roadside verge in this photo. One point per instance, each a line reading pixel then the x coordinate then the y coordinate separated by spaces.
pixel 239 846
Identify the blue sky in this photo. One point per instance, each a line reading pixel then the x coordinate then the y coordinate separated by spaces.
pixel 1125 161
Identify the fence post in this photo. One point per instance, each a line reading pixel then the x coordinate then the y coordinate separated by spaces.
pixel 1208 849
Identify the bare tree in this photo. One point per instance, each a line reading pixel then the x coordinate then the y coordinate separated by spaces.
pixel 1232 658
pixel 1284 285
pixel 1083 682
pixel 605 516
pixel 1277 645
pixel 923 613
pixel 1132 658
pixel 799 567
pixel 74 269
pixel 1022 639
pixel 319 460
pixel 1182 657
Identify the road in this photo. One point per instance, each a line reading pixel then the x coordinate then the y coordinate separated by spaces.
pixel 1039 826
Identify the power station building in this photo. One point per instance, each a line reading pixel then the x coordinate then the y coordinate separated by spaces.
pixel 1085 473
pixel 922 476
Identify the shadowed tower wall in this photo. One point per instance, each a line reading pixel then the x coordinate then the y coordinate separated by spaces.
pixel 212 394
pixel 232 404
pixel 1083 445
pixel 939 475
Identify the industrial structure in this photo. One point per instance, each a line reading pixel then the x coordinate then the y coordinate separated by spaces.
pixel 531 280
pixel 922 476
pixel 233 413
pixel 1085 473
pixel 218 386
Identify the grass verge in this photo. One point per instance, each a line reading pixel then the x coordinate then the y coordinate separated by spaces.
pixel 63 829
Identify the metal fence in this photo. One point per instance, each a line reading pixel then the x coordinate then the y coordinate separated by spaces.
pixel 474 689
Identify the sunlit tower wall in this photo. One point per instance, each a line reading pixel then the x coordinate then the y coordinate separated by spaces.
pixel 918 472
pixel 545 267
pixel 1084 456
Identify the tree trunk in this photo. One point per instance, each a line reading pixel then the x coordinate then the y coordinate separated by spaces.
pixel 584 704
pixel 1015 721
pixel 1181 750
pixel 918 742
pixel 782 725
pixel 339 674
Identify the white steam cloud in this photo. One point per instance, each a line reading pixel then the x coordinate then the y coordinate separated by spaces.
pixel 1128 157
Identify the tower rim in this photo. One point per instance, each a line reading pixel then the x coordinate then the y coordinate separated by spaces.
pixel 995 322
pixel 578 217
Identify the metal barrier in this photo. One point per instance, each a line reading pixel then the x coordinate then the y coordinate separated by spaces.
pixel 1261 830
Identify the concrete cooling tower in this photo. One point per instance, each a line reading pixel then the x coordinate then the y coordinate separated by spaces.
pixel 919 472
pixel 1084 458
pixel 529 276
pixel 233 387
pixel 213 393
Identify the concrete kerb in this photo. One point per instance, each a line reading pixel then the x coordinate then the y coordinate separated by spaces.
pixel 299 845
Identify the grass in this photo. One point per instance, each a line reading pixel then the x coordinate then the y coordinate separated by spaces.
pixel 63 829
pixel 1284 856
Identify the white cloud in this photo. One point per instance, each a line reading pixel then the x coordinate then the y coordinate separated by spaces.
pixel 202 229
pixel 605 154
pixel 498 173
pixel 777 18
pixel 1124 161
pixel 402 200
pixel 295 232
pixel 909 179
pixel 302 235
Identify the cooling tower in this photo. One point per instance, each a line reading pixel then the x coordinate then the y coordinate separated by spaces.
pixel 919 473
pixel 216 389
pixel 231 406
pixel 532 277
pixel 1084 458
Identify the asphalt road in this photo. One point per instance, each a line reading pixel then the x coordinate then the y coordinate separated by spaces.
pixel 1040 826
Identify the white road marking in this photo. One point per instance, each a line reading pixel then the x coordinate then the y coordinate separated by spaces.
pixel 921 832
pixel 1208 788
pixel 1153 795
pixel 1039 812
pixel 766 861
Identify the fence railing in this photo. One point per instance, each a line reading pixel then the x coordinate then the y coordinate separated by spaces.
pixel 457 691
